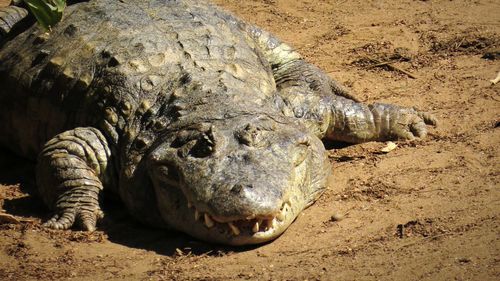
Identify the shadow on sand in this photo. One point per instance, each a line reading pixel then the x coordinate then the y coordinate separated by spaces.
pixel 117 224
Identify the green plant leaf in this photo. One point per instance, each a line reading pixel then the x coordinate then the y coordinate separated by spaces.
pixel 47 12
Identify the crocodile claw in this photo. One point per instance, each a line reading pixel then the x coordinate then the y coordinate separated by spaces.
pixel 85 219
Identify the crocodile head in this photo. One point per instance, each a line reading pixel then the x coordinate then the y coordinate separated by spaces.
pixel 237 181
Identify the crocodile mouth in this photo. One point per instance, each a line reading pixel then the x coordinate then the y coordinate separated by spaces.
pixel 252 229
pixel 257 226
pixel 251 226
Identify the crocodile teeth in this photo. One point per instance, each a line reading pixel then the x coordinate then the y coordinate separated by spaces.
pixel 282 215
pixel 256 227
pixel 271 223
pixel 234 229
pixel 208 221
pixel 196 215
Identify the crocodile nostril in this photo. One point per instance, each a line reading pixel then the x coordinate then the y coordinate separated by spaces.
pixel 238 188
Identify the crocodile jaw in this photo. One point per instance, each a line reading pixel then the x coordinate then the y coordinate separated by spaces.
pixel 245 231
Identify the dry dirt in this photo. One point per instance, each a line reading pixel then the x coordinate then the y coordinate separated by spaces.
pixel 427 210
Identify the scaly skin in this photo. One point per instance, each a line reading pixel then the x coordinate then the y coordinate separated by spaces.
pixel 196 119
pixel 10 18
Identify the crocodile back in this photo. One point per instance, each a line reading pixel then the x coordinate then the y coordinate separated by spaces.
pixel 108 62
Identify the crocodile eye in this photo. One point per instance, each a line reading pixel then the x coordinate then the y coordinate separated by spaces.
pixel 141 142
pixel 194 144
pixel 202 148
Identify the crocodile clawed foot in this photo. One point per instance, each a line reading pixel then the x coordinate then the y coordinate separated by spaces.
pixel 84 218
pixel 412 123
pixel 418 124
pixel 428 118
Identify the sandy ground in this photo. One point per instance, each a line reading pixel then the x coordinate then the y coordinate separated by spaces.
pixel 427 210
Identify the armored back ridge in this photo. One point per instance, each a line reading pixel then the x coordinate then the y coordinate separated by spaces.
pixel 197 120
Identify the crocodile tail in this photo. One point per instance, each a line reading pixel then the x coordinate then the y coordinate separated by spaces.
pixel 10 18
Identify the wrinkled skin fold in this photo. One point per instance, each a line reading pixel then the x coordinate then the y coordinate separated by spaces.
pixel 198 121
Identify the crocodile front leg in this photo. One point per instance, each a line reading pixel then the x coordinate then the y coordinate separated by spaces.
pixel 327 108
pixel 305 92
pixel 355 122
pixel 70 172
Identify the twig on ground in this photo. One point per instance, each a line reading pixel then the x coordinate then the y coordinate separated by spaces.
pixel 393 67
pixel 390 65
pixel 384 63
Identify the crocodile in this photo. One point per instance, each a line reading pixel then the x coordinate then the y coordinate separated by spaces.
pixel 197 120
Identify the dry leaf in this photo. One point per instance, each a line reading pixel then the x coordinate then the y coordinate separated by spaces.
pixel 496 80
pixel 389 147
